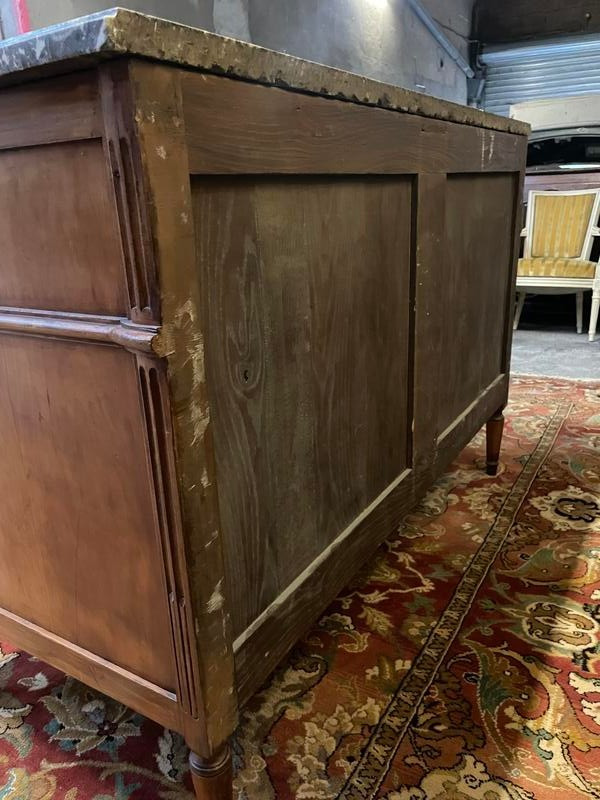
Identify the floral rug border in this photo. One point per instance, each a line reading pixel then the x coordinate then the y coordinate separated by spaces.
pixel 376 759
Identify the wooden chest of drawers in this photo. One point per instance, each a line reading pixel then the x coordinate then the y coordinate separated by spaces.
pixel 250 309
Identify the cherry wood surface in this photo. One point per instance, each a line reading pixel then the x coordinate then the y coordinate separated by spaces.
pixel 60 247
pixel 77 526
pixel 242 330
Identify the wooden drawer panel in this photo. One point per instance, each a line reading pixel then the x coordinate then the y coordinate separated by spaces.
pixel 58 232
pixel 78 540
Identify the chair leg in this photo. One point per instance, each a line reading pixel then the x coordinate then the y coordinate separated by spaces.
pixel 579 301
pixel 213 780
pixel 520 303
pixel 594 314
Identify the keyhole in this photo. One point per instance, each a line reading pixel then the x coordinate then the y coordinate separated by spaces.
pixel 246 375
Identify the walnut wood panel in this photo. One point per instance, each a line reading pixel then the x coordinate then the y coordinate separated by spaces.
pixel 473 284
pixel 234 128
pixel 429 234
pixel 78 525
pixel 60 248
pixel 262 646
pixel 265 643
pixel 307 287
pixel 56 110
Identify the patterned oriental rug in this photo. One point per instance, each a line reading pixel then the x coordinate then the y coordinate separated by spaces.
pixel 464 663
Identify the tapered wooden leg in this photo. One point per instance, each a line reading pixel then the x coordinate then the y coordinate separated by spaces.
pixel 212 779
pixel 594 314
pixel 579 304
pixel 493 430
pixel 520 303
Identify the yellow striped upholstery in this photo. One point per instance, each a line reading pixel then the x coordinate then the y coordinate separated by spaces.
pixel 555 268
pixel 559 225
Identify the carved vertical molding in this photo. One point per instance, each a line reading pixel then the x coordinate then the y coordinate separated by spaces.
pixel 136 226
pixel 154 393
pixel 126 170
pixel 159 122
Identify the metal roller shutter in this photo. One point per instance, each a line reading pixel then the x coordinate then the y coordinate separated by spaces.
pixel 551 68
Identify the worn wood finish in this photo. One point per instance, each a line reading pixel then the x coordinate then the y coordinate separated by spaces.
pixel 229 369
pixel 309 429
pixel 201 588
pixel 298 134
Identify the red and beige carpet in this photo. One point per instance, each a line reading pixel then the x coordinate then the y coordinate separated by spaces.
pixel 463 663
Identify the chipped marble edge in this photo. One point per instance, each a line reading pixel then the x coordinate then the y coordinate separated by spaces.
pixel 120 32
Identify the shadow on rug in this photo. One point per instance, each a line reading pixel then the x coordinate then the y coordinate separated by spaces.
pixel 463 663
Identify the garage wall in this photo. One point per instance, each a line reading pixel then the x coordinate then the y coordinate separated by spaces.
pixel 381 39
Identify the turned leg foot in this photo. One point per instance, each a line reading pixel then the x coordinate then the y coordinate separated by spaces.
pixel 493 431
pixel 520 303
pixel 212 779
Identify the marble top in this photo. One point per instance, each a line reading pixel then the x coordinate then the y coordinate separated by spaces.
pixel 87 40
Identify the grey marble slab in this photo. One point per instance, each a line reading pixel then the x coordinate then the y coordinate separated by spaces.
pixel 109 34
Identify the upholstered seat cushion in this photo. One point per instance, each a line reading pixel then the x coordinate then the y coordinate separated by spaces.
pixel 555 268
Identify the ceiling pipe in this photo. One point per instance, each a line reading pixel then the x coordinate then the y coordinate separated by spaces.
pixel 441 37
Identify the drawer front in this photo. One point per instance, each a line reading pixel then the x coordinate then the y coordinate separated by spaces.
pixel 79 545
pixel 58 230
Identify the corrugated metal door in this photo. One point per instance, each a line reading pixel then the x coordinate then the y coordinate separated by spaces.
pixel 552 68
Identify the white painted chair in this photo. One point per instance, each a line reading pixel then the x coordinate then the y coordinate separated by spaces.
pixel 559 232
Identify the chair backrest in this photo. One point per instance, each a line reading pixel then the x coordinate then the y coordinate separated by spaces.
pixel 561 224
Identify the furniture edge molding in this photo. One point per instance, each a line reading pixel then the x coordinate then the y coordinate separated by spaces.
pixel 157 120
pixel 125 168
pixel 154 393
pixel 101 330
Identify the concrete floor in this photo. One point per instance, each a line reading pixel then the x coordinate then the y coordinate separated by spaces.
pixel 555 351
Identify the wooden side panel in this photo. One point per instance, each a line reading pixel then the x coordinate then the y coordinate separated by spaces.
pixel 307 301
pixel 473 285
pixel 60 246
pixel 233 127
pixel 79 543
